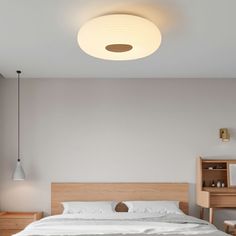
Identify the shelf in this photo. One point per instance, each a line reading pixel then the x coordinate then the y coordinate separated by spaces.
pixel 214 197
pixel 219 190
pixel 215 169
pixel 215 161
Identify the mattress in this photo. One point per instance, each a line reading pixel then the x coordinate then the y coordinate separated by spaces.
pixel 120 224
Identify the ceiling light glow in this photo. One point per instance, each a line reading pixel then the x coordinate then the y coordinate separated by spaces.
pixel 119 37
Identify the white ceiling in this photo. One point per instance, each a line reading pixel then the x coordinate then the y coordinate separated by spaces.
pixel 39 37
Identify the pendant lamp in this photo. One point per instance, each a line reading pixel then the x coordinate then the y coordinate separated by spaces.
pixel 19 173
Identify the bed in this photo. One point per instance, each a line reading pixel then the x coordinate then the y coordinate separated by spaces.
pixel 119 222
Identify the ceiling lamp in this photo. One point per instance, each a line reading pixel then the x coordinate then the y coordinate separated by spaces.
pixel 119 37
pixel 19 173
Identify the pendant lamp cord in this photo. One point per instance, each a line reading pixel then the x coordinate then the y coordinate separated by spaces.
pixel 18 135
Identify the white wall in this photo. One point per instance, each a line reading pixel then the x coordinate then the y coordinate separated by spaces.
pixel 119 130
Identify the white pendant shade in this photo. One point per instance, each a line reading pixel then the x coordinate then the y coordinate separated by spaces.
pixel 19 173
pixel 119 37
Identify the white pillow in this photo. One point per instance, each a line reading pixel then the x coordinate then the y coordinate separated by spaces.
pixel 94 207
pixel 162 207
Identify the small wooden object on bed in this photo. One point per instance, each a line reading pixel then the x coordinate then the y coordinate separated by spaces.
pixel 61 192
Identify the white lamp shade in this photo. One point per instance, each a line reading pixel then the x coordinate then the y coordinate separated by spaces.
pixel 19 173
pixel 119 37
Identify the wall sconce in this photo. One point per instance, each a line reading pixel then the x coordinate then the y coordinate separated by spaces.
pixel 224 134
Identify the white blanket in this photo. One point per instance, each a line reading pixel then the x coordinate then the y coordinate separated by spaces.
pixel 118 223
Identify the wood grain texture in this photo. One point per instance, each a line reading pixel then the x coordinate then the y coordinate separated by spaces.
pixel 21 215
pixel 13 222
pixel 8 232
pixel 61 192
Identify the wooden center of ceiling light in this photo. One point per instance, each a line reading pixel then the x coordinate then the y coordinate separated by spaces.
pixel 119 47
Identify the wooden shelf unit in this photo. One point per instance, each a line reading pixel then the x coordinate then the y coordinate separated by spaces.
pixel 209 170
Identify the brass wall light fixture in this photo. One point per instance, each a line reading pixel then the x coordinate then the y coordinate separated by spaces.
pixel 224 134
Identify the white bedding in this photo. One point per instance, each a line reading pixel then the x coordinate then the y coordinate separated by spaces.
pixel 118 223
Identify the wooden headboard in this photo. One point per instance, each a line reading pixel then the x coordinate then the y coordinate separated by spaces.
pixel 61 192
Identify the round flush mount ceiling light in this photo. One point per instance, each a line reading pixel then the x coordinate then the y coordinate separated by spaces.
pixel 119 37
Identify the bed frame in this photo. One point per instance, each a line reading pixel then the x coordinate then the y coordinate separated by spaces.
pixel 61 192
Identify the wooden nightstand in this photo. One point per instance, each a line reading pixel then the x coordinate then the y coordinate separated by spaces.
pixel 14 222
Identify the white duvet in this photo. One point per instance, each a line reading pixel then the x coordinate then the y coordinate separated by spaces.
pixel 118 223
